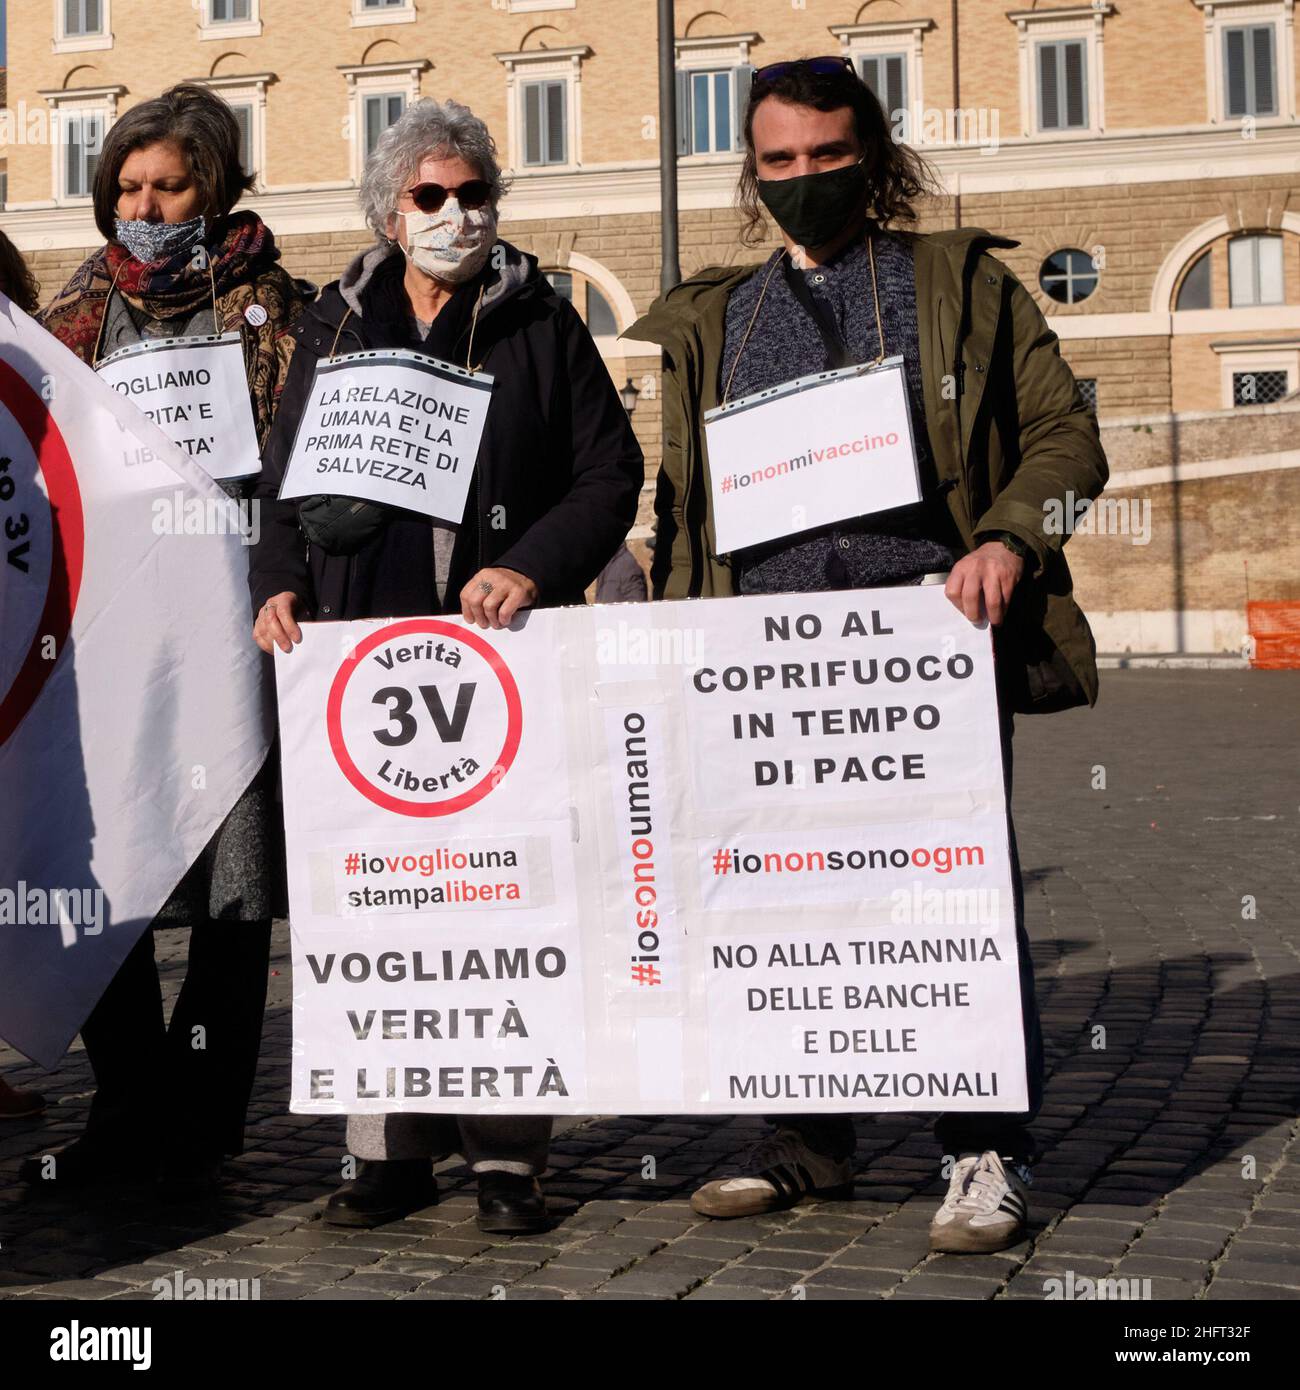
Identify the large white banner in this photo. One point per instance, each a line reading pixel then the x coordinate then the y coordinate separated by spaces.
pixel 739 855
pixel 133 707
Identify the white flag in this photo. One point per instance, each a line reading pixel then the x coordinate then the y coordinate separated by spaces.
pixel 133 704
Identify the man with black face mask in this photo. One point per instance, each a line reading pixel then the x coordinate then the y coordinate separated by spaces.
pixel 1000 432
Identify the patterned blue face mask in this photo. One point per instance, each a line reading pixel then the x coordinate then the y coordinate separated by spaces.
pixel 158 241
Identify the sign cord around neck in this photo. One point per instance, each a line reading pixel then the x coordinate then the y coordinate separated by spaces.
pixel 99 337
pixel 108 300
pixel 753 318
pixel 469 352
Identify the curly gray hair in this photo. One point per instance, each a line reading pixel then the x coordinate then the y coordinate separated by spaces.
pixel 428 127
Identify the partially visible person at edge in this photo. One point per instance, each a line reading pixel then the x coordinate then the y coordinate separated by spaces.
pixel 622 580
pixel 168 178
pixel 554 492
pixel 819 157
pixel 18 284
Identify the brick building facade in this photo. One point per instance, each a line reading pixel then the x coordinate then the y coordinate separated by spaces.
pixel 1145 155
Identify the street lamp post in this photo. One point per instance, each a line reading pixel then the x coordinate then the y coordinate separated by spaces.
pixel 670 273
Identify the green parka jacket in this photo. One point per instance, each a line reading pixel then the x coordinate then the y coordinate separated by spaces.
pixel 1008 429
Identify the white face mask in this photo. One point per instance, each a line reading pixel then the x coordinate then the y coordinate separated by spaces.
pixel 451 244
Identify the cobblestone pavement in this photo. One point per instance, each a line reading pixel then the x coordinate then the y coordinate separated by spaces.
pixel 1169 1141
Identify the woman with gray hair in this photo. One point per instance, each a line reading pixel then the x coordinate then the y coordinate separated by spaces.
pixel 553 494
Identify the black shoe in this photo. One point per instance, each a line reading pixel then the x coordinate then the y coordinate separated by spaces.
pixel 511 1205
pixel 383 1190
pixel 81 1163
pixel 189 1177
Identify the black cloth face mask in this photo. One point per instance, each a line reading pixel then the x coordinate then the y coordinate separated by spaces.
pixel 813 208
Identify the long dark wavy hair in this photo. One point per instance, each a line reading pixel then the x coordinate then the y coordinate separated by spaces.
pixel 896 174
pixel 16 278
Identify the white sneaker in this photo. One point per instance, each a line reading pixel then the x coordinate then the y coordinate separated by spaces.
pixel 986 1207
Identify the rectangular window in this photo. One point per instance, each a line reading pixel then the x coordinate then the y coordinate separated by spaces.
pixel 886 75
pixel 1062 85
pixel 381 110
pixel 1258 388
pixel 561 283
pixel 1248 71
pixel 83 138
pixel 82 17
pixel 711 107
pixel 1088 390
pixel 546 121
pixel 1255 273
pixel 384 4
pixel 229 11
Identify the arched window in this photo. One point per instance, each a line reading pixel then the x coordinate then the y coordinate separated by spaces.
pixel 592 306
pixel 1194 292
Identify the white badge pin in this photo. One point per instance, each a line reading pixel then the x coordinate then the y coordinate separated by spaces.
pixel 256 315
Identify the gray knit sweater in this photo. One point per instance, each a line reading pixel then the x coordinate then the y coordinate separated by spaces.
pixel 889 547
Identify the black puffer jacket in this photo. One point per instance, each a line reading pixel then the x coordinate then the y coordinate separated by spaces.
pixel 558 472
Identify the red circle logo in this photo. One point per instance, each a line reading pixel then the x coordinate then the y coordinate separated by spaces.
pixel 66 539
pixel 382 785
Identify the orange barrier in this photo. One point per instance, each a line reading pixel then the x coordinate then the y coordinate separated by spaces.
pixel 1275 627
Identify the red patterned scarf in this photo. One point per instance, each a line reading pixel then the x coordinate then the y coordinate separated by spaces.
pixel 162 289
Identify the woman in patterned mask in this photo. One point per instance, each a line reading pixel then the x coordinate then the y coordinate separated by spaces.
pixel 168 178
pixel 178 262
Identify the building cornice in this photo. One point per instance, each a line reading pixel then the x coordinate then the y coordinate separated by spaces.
pixel 574 54
pixel 58 95
pixel 1197 156
pixel 881 27
pixel 398 67
pixel 1023 18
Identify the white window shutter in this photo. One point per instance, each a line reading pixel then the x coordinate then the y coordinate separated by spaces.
pixel 1075 61
pixel 1265 103
pixel 1234 64
pixel 895 86
pixel 869 69
pixel 557 124
pixel 1049 102
pixel 533 123
pixel 742 79
pixel 683 112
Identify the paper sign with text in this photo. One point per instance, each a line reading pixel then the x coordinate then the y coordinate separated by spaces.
pixel 740 855
pixel 196 391
pixel 395 427
pixel 809 453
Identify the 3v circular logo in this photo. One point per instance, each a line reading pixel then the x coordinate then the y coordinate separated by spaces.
pixel 42 546
pixel 424 717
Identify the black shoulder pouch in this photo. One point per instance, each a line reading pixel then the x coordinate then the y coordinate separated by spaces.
pixel 341 525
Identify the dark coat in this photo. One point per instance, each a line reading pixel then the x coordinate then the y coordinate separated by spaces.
pixel 1012 437
pixel 558 473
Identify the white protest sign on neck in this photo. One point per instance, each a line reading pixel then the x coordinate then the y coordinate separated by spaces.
pixel 809 453
pixel 747 855
pixel 196 391
pixel 393 427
